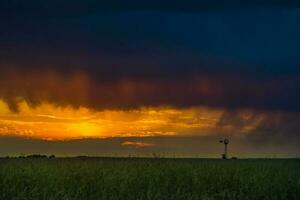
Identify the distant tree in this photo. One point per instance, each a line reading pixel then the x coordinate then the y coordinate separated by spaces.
pixel 36 156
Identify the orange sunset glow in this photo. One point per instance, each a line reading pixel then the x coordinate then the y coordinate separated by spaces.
pixel 46 121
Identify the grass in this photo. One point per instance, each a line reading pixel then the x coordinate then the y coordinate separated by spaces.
pixel 108 178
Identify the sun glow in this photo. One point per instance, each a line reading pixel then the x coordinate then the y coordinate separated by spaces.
pixel 51 122
pixel 84 129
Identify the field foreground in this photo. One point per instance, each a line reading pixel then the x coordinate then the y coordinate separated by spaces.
pixel 129 178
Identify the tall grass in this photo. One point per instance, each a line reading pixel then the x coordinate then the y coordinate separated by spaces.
pixel 96 178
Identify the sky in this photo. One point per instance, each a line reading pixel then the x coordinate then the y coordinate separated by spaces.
pixel 138 77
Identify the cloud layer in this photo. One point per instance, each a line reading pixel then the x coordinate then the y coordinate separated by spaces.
pixel 131 92
pixel 143 55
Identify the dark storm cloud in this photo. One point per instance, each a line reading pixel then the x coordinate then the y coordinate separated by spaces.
pixel 142 55
pixel 263 129
pixel 214 91
pixel 79 7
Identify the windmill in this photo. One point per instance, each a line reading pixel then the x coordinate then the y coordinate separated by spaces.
pixel 225 142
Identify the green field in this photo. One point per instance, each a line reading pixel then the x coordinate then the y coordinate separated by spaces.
pixel 113 178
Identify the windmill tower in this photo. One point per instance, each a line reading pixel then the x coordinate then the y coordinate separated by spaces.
pixel 225 142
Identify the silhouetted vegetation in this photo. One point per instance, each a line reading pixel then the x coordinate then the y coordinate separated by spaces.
pixel 29 156
pixel 36 156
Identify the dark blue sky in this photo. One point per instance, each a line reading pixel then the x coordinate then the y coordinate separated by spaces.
pixel 247 53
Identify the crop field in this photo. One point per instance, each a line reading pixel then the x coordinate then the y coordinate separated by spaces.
pixel 137 178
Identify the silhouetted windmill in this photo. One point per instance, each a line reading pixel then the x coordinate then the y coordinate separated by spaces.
pixel 225 142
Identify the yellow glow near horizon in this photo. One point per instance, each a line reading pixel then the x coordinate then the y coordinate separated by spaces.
pixel 85 129
pixel 47 121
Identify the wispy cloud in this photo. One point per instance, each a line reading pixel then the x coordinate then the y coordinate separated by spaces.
pixel 137 144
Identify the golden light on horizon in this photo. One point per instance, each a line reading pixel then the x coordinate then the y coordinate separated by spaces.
pixel 51 122
pixel 84 129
